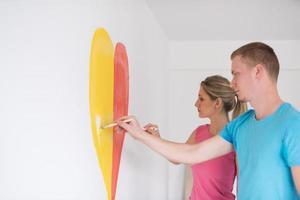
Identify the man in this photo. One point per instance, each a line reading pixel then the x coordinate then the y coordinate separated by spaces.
pixel 266 139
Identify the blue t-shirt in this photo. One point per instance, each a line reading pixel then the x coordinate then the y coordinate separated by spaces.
pixel 266 149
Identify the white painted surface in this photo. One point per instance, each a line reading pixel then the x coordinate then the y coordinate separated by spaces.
pixel 46 148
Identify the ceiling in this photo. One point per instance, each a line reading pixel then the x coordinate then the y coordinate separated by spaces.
pixel 228 19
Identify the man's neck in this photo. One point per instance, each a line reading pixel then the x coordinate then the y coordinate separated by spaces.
pixel 267 103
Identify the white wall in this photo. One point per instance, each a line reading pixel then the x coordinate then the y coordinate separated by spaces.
pixel 46 148
pixel 192 61
pixel 228 20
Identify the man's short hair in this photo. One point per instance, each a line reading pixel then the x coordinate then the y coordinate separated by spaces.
pixel 259 53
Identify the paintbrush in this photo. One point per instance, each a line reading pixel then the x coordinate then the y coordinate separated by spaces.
pixel 114 124
pixel 126 121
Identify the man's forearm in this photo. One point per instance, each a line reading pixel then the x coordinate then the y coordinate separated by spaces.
pixel 187 153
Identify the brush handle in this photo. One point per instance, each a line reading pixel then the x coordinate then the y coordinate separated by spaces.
pixel 115 124
pixel 126 120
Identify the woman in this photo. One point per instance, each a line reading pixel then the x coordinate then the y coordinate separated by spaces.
pixel 212 179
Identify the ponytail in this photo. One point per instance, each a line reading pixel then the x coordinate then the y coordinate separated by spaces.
pixel 240 108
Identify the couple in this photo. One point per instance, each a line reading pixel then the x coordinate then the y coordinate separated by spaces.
pixel 265 139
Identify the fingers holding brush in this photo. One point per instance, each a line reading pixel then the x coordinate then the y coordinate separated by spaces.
pixel 131 125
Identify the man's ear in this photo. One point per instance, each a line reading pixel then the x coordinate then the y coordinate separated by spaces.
pixel 259 70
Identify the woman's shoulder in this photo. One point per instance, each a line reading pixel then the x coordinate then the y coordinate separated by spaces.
pixel 201 129
pixel 194 137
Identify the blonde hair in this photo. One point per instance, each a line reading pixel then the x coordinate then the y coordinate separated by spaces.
pixel 219 87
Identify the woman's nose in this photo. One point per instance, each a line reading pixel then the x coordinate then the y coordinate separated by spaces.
pixel 196 103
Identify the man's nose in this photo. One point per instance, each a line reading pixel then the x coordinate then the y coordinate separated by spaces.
pixel 232 83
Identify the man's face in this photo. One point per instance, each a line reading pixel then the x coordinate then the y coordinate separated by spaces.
pixel 243 78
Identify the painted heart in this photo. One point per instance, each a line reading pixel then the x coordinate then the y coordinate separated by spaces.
pixel 109 91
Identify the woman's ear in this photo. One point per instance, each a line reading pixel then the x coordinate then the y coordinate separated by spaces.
pixel 219 103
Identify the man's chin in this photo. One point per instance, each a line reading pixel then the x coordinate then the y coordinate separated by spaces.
pixel 242 99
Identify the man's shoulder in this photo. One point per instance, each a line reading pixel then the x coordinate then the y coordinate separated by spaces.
pixel 291 116
pixel 230 130
pixel 240 120
pixel 291 112
pixel 246 115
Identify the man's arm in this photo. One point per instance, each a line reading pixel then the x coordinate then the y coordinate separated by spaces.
pixel 178 152
pixel 190 140
pixel 188 153
pixel 296 177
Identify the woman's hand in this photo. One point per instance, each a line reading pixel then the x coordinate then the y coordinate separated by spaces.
pixel 152 129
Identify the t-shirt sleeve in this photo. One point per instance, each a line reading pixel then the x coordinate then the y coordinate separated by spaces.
pixel 291 143
pixel 230 131
pixel 226 133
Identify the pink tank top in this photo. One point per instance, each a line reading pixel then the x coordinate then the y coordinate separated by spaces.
pixel 213 179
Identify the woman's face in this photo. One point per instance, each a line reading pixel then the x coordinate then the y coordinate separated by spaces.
pixel 205 105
